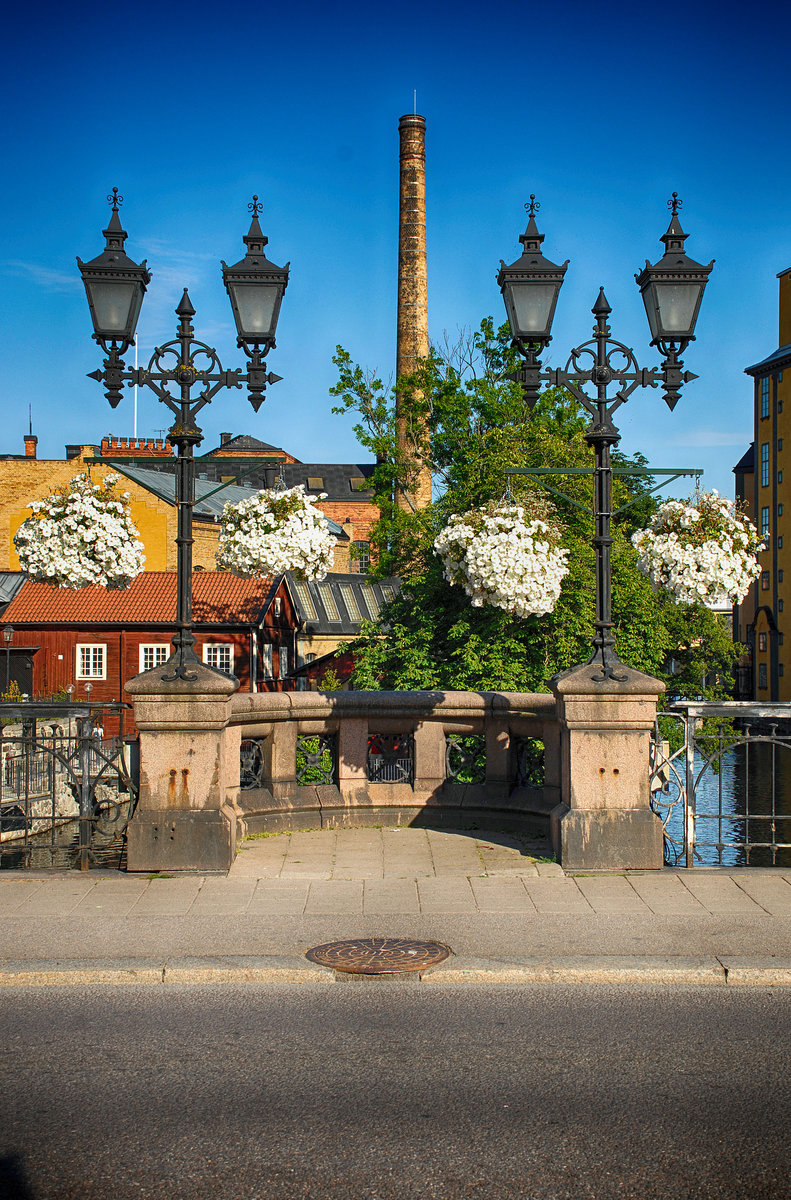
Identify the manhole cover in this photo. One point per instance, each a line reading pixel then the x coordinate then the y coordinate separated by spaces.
pixel 379 956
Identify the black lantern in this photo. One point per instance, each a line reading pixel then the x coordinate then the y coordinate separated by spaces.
pixel 115 286
pixel 672 288
pixel 531 286
pixel 255 286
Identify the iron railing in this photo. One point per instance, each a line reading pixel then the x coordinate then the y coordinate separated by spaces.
pixel 721 782
pixel 66 793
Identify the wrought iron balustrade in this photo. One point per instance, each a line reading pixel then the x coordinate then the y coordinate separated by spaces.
pixel 721 782
pixel 66 794
pixel 391 758
pixel 465 758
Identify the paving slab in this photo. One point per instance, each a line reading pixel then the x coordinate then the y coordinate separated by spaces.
pixel 57 898
pixel 772 894
pixel 335 896
pixel 557 896
pixel 390 896
pixel 719 894
pixel 223 896
pixel 278 898
pixel 16 892
pixel 498 894
pixel 168 897
pixel 613 895
pixel 667 896
pixel 448 895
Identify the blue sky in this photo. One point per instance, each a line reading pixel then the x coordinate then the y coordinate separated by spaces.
pixel 601 110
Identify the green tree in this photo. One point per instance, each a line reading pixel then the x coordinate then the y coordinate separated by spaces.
pixel 466 420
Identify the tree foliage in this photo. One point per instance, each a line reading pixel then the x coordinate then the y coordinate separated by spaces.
pixel 463 417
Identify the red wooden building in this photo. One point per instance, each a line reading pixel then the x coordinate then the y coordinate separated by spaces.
pixel 94 640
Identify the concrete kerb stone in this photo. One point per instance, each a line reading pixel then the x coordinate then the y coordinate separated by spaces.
pixel 582 970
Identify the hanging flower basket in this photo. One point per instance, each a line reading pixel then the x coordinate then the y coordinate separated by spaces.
pixel 81 535
pixel 275 531
pixel 505 556
pixel 702 551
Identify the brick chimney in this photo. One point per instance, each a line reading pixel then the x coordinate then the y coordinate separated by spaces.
pixel 412 329
pixel 31 441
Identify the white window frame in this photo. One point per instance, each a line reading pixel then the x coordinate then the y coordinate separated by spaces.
pixel 282 661
pixel 267 666
pixel 209 649
pixel 89 650
pixel 161 653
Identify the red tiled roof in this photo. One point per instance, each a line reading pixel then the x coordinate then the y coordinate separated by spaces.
pixel 217 598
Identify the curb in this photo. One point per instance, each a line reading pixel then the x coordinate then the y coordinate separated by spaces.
pixel 601 970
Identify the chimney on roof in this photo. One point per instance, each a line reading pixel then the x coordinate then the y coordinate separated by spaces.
pixel 31 441
pixel 412 328
pixel 225 438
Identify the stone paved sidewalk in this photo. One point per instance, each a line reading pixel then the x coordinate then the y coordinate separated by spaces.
pixel 396 872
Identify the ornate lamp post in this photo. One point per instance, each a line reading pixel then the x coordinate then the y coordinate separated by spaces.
pixel 672 290
pixel 8 635
pixel 115 286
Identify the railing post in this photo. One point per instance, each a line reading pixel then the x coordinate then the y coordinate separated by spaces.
pixel 186 817
pixel 604 820
pixel 430 767
pixel 353 759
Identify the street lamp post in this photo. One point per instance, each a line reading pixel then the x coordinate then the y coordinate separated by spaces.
pixel 115 286
pixel 8 634
pixel 672 290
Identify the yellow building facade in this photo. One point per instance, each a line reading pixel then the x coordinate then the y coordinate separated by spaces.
pixel 763 483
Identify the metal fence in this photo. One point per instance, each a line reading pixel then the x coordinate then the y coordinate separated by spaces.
pixel 66 791
pixel 721 782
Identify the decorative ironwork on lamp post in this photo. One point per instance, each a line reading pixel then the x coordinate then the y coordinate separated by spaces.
pixel 115 286
pixel 672 290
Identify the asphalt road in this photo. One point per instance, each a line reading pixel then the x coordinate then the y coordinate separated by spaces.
pixel 391 1090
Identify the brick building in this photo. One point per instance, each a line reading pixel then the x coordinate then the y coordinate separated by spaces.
pixel 103 638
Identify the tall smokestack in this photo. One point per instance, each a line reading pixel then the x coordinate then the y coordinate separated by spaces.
pixel 412 333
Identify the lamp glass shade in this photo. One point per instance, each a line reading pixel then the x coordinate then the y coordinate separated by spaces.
pixel 256 307
pixel 115 306
pixel 672 308
pixel 530 304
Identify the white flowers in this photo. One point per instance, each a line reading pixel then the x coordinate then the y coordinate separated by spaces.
pixel 81 535
pixel 702 551
pixel 276 531
pixel 502 557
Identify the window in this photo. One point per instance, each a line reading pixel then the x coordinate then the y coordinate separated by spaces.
pixel 370 601
pixel 328 600
pixel 779 543
pixel 303 595
pixel 764 464
pixel 266 655
pixel 352 607
pixel 91 660
pixel 779 605
pixel 765 397
pixel 762 676
pixel 764 581
pixel 779 510
pixel 779 443
pixel 780 639
pixel 219 655
pixel 762 642
pixel 282 661
pixel 765 521
pixel 780 575
pixel 315 483
pixel 779 476
pixel 780 670
pixel 361 558
pixel 153 655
